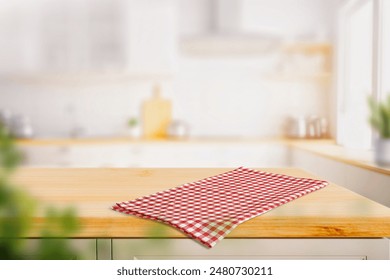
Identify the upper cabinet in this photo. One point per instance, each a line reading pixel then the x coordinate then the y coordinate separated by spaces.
pixel 152 36
pixel 88 37
pixel 140 38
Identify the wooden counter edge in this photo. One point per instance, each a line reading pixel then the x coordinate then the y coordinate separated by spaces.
pixel 283 227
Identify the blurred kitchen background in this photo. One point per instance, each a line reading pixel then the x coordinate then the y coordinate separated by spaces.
pixel 229 67
pixel 197 83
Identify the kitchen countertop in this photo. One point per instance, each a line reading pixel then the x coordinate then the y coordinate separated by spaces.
pixel 330 212
pixel 322 147
pixel 362 158
pixel 128 140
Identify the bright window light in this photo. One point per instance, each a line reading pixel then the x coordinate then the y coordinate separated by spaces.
pixel 354 130
pixel 386 50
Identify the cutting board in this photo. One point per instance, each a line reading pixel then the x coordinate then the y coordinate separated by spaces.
pixel 156 115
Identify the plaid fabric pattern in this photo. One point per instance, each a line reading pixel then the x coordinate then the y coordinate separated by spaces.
pixel 207 210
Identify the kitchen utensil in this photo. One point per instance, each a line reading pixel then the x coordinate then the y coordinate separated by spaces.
pixel 297 127
pixel 313 127
pixel 156 116
pixel 307 127
pixel 178 129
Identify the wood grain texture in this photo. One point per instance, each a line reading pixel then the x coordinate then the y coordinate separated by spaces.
pixel 330 212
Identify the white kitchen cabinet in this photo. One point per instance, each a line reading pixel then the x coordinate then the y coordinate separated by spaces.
pixel 326 168
pixel 101 156
pixel 103 249
pixel 373 185
pixel 335 249
pixel 79 38
pixel 46 156
pixel 257 249
pixel 84 248
pixel 151 32
pixel 210 155
pixel 80 156
pixel 157 154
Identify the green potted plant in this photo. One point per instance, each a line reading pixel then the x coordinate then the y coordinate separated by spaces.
pixel 380 121
pixel 133 128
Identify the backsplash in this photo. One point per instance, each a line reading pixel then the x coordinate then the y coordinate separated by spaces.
pixel 217 96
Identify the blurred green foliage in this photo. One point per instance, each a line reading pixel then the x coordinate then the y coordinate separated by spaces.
pixel 132 122
pixel 16 216
pixel 380 116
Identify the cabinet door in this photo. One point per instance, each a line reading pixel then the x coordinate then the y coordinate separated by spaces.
pixel 100 156
pixel 85 249
pixel 254 155
pixel 326 168
pixel 152 36
pixel 81 156
pixel 370 184
pixel 88 37
pixel 373 185
pixel 210 155
pixel 46 156
pixel 251 249
pixel 177 155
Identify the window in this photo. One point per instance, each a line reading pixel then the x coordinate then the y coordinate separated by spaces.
pixel 385 88
pixel 355 74
pixel 363 66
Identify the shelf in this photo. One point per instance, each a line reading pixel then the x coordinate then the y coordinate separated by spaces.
pixel 308 48
pixel 217 44
pixel 227 45
pixel 293 77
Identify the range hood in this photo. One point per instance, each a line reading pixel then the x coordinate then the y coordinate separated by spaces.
pixel 220 44
pixel 228 32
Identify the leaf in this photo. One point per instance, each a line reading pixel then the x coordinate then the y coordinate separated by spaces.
pixel 380 116
pixel 372 103
pixel 17 209
pixel 384 121
pixel 387 109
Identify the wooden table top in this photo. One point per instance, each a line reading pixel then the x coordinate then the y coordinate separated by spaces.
pixel 330 212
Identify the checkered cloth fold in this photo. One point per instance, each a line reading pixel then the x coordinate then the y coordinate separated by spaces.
pixel 209 209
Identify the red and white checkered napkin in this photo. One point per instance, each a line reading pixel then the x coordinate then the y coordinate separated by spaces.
pixel 209 209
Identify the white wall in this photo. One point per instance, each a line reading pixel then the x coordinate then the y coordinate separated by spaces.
pixel 215 96
pixel 290 18
pixel 235 96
